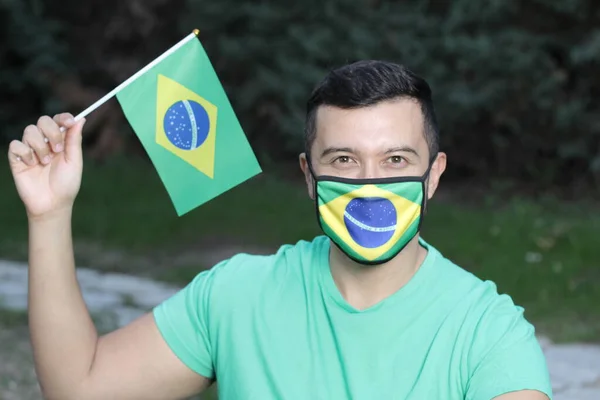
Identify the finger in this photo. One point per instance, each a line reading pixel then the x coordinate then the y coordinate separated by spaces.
pixel 65 120
pixel 73 139
pixel 51 132
pixel 19 152
pixel 34 138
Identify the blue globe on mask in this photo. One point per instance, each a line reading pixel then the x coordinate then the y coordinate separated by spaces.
pixel 371 221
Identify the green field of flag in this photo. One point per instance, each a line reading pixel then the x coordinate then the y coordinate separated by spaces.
pixel 181 114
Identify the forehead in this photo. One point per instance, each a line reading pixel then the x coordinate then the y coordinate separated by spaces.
pixel 372 128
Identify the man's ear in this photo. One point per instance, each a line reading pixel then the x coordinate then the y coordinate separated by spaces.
pixel 437 169
pixel 310 183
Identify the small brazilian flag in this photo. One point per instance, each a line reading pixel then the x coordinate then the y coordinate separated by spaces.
pixel 183 118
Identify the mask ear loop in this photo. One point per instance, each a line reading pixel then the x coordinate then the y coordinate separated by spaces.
pixel 309 162
pixel 315 190
pixel 426 183
pixel 313 176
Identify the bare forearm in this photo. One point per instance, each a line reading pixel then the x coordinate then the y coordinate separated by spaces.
pixel 62 332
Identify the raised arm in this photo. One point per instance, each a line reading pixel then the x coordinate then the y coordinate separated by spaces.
pixel 71 361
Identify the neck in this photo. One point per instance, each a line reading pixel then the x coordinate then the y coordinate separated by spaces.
pixel 363 286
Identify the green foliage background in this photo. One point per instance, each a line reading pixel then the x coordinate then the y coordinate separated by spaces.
pixel 515 83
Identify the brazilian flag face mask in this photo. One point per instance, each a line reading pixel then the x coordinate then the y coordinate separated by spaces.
pixel 370 220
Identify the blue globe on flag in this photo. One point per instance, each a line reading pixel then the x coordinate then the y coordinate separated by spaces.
pixel 186 124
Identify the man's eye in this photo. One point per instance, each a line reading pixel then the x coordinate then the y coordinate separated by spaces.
pixel 343 159
pixel 396 159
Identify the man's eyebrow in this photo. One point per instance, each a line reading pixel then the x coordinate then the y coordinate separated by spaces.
pixel 403 149
pixel 331 150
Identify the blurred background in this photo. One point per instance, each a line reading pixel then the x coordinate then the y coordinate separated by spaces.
pixel 515 85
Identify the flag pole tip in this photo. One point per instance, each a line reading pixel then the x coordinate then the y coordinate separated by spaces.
pixel 196 32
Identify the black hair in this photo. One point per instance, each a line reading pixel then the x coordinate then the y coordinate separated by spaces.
pixel 366 83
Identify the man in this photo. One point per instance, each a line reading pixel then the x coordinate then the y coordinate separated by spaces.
pixel 370 310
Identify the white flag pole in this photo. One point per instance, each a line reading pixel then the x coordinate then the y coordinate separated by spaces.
pixel 142 71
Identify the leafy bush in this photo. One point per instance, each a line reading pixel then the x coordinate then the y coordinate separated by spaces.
pixel 514 82
pixel 29 46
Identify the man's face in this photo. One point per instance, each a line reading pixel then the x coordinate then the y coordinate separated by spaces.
pixel 380 141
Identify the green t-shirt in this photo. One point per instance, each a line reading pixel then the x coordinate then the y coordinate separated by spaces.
pixel 276 327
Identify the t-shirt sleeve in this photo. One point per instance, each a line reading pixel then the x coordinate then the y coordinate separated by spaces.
pixel 505 354
pixel 183 321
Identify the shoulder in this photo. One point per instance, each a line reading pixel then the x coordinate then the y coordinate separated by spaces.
pixel 478 297
pixel 501 352
pixel 487 316
pixel 249 274
pixel 242 281
pixel 228 292
pixel 287 256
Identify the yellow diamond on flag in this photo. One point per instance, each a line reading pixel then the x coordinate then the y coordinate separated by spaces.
pixel 186 124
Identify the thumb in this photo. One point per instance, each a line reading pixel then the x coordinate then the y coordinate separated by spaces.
pixel 73 141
